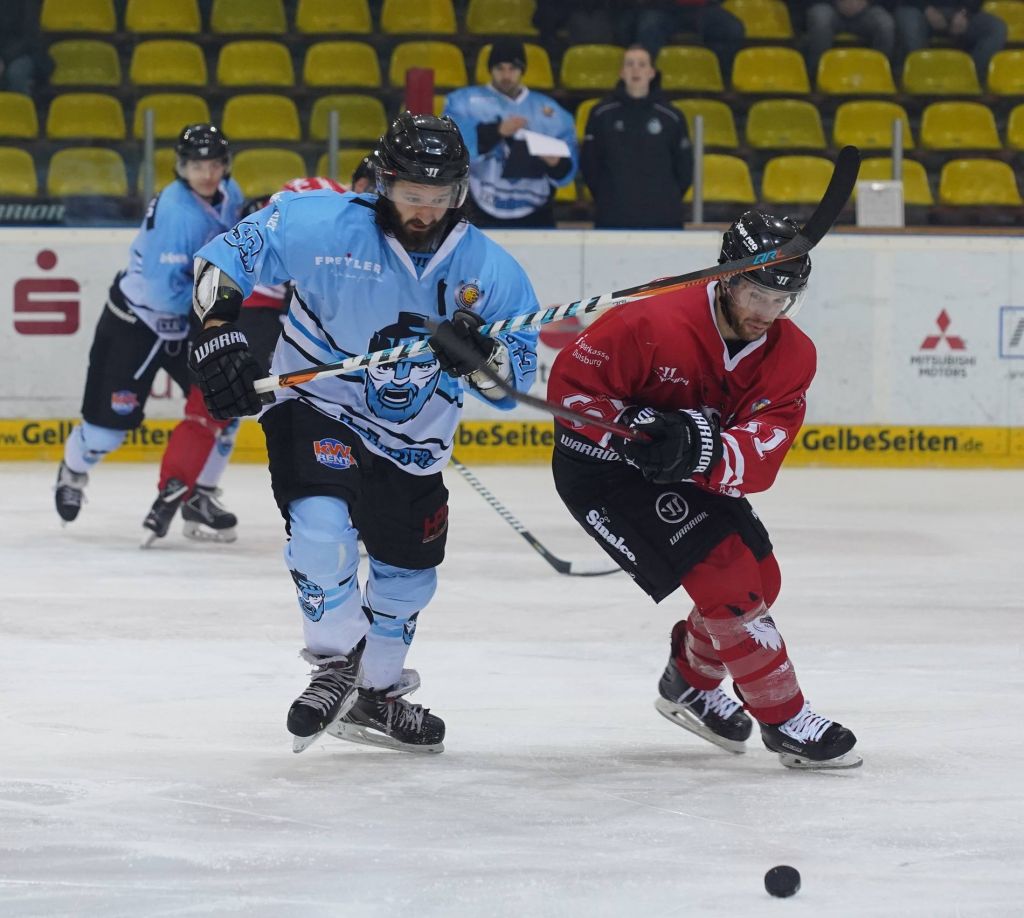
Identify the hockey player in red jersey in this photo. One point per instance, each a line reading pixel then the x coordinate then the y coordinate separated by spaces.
pixel 716 378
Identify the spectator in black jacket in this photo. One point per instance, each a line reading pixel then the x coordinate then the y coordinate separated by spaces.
pixel 978 33
pixel 869 20
pixel 636 156
pixel 24 63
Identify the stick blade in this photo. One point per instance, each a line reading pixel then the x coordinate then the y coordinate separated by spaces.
pixel 840 187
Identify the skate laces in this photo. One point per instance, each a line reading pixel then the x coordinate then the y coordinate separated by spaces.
pixel 717 702
pixel 329 678
pixel 806 726
pixel 404 714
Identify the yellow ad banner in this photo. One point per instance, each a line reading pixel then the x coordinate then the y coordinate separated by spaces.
pixel 483 442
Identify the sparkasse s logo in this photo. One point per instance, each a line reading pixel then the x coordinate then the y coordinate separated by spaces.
pixel 46 305
pixel 942 355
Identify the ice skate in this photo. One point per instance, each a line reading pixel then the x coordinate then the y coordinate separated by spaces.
pixel 331 693
pixel 712 715
pixel 69 492
pixel 160 515
pixel 206 519
pixel 811 741
pixel 382 717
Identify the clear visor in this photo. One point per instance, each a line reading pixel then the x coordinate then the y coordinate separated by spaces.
pixel 410 194
pixel 765 301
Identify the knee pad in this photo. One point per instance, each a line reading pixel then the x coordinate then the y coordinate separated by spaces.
pixel 89 443
pixel 399 591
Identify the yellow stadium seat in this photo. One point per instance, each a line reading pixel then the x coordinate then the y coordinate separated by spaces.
pixel 154 16
pixel 784 124
pixel 348 160
pixel 168 63
pixel 940 72
pixel 978 182
pixel 855 72
pixel 770 71
pixel 262 172
pixel 1015 129
pixel 689 69
pixel 255 63
pixel 171 112
pixel 582 114
pixel 418 16
pixel 77 16
pixel 439 104
pixel 795 179
pixel 539 74
pixel 1012 13
pixel 359 117
pixel 959 126
pixel 86 171
pixel 1006 73
pixel 868 125
pixel 916 191
pixel 591 67
pixel 163 170
pixel 501 17
pixel 260 116
pixel 17 174
pixel 239 16
pixel 762 19
pixel 341 63
pixel 82 62
pixel 18 116
pixel 726 180
pixel 76 115
pixel 719 124
pixel 444 58
pixel 314 16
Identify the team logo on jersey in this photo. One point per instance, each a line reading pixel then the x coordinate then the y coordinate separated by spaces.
pixel 654 126
pixel 435 526
pixel 759 405
pixel 547 111
pixel 468 294
pixel 397 392
pixel 333 453
pixel 123 402
pixel 311 597
pixel 247 239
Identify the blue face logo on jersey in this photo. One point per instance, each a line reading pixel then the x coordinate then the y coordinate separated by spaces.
pixel 397 392
pixel 311 597
pixel 247 239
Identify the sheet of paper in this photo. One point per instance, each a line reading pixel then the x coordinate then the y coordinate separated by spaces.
pixel 542 144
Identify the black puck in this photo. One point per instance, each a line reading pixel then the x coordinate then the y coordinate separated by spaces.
pixel 782 881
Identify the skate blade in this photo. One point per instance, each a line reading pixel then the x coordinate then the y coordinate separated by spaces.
pixel 148 538
pixel 683 717
pixel 847 760
pixel 354 733
pixel 302 743
pixel 198 533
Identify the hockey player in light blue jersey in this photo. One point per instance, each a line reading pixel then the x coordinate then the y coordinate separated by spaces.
pixel 360 456
pixel 509 186
pixel 143 329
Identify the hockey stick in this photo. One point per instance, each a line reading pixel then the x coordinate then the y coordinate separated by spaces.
pixel 825 214
pixel 571 568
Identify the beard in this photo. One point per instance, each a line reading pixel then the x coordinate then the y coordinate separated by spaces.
pixel 417 237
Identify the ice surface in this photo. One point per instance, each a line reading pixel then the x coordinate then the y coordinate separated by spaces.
pixel 145 769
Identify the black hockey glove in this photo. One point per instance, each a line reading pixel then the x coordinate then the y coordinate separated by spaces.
pixel 680 444
pixel 227 372
pixel 459 347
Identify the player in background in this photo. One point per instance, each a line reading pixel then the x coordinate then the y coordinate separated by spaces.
pixel 715 377
pixel 360 455
pixel 145 327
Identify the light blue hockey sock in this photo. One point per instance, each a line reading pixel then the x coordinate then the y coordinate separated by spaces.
pixel 394 596
pixel 323 557
pixel 88 443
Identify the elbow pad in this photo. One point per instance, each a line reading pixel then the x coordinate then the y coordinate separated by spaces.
pixel 214 295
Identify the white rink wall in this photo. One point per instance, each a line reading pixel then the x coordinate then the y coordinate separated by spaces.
pixel 918 330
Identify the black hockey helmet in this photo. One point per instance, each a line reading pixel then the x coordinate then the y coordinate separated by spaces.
pixel 756 232
pixel 202 142
pixel 424 150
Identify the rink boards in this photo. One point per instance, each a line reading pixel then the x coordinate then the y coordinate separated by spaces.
pixel 920 343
